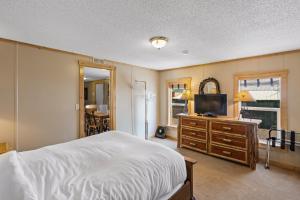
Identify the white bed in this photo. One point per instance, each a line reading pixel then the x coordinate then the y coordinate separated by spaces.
pixel 112 165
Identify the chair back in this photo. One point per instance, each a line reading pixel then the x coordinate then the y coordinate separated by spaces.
pixel 91 120
pixel 103 108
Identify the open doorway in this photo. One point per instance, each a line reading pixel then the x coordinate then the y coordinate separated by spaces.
pixel 97 98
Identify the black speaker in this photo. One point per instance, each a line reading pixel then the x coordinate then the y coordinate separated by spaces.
pixel 161 132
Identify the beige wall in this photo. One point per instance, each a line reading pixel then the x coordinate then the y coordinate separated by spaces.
pixel 40 88
pixel 224 73
pixel 48 89
pixel 7 91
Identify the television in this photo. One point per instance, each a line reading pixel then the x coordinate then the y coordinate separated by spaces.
pixel 211 104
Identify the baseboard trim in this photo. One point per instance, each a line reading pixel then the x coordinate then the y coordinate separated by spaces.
pixel 281 165
pixel 171 137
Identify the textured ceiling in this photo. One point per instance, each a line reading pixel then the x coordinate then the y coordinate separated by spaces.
pixel 211 30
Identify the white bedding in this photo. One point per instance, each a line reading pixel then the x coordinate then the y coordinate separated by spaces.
pixel 112 165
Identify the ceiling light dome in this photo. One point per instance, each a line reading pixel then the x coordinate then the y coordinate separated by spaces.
pixel 159 41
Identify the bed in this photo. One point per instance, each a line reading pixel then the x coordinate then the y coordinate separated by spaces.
pixel 112 165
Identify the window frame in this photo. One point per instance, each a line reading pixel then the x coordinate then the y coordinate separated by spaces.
pixel 283 75
pixel 188 82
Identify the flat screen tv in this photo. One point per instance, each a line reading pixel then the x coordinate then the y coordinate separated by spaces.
pixel 211 104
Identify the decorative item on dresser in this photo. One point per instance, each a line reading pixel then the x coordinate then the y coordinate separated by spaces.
pixel 243 96
pixel 209 86
pixel 226 138
pixel 186 96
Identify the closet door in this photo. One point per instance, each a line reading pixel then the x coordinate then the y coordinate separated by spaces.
pixel 139 110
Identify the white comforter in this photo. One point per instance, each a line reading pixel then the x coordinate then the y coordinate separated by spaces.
pixel 111 165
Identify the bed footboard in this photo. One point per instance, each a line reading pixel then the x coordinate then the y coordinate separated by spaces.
pixel 186 191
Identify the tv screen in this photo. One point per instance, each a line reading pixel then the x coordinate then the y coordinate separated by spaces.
pixel 211 104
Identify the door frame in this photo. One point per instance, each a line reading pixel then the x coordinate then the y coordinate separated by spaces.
pixel 112 93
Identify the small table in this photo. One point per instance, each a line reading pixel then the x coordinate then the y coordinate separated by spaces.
pixel 4 147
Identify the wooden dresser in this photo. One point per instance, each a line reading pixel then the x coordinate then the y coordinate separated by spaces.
pixel 222 137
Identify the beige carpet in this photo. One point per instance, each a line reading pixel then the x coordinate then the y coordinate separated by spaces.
pixel 217 179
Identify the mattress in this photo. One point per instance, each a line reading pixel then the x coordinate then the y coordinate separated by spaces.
pixel 112 165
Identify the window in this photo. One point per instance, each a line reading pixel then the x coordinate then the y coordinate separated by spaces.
pixel 269 93
pixel 176 104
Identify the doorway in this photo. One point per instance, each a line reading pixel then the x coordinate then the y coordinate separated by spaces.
pixel 96 98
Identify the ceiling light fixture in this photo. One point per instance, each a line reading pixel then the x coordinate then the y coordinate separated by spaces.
pixel 159 41
pixel 185 52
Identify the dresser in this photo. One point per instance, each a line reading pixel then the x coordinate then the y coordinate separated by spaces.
pixel 226 138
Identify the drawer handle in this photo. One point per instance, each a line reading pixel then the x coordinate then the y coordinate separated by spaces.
pixel 226 152
pixel 192 133
pixel 227 140
pixel 193 123
pixel 227 128
pixel 193 144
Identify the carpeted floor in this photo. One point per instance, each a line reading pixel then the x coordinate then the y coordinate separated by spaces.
pixel 217 179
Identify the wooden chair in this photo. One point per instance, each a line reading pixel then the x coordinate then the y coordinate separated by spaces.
pixel 106 123
pixel 92 127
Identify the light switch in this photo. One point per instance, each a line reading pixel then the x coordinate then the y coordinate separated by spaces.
pixel 76 106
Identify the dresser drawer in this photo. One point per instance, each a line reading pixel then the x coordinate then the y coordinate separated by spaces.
pixel 229 140
pixel 197 134
pixel 194 144
pixel 198 123
pixel 229 153
pixel 229 128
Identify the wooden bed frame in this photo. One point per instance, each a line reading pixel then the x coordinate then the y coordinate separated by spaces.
pixel 186 191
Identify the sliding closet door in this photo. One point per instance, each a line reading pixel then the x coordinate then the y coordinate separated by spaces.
pixel 7 91
pixel 47 94
pixel 139 109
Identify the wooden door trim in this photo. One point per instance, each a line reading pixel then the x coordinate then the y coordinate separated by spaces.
pixel 112 96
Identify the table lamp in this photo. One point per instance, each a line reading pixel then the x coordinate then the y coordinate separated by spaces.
pixel 186 96
pixel 243 96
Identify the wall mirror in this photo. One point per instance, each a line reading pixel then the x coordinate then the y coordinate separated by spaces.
pixel 209 86
pixel 97 98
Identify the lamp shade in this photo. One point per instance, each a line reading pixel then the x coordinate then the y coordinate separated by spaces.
pixel 187 95
pixel 244 96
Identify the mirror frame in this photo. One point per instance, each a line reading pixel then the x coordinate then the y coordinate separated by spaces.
pixel 208 80
pixel 112 92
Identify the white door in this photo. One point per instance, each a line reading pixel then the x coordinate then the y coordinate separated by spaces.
pixel 139 110
pixel 99 94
